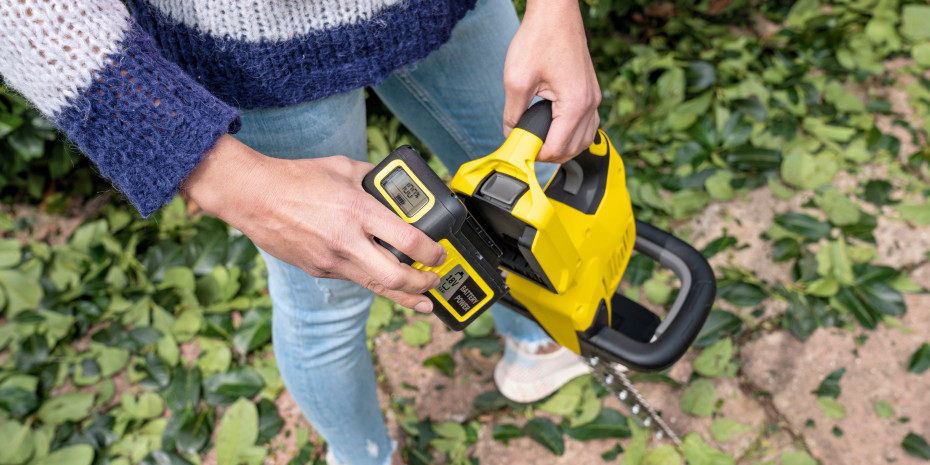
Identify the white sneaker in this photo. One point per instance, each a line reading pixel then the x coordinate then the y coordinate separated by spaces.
pixel 525 376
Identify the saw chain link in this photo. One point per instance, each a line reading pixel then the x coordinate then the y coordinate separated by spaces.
pixel 616 382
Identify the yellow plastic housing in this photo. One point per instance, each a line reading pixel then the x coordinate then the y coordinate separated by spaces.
pixel 583 255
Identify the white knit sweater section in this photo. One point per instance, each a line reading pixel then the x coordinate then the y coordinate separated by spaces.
pixel 272 20
pixel 50 50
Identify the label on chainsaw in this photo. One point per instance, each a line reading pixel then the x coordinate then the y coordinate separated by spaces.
pixel 462 292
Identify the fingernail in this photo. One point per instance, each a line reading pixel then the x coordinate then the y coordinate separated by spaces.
pixel 442 258
pixel 424 307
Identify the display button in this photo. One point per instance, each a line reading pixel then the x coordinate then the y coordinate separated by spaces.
pixel 502 188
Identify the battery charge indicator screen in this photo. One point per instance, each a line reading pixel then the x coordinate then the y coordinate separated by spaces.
pixel 406 194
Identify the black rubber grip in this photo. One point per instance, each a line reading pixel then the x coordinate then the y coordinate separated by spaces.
pixel 691 310
pixel 536 119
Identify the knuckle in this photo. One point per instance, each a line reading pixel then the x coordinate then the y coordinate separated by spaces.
pixel 514 80
pixel 408 239
pixel 392 281
pixel 326 263
pixel 374 286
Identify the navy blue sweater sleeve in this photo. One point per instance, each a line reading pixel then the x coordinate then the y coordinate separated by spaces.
pixel 145 123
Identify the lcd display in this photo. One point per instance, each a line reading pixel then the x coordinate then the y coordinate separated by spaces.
pixel 406 194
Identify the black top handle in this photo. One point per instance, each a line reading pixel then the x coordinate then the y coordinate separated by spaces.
pixel 536 119
pixel 685 318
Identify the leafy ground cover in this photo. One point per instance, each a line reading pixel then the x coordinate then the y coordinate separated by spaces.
pixel 787 140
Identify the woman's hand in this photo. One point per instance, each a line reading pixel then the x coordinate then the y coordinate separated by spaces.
pixel 549 57
pixel 314 214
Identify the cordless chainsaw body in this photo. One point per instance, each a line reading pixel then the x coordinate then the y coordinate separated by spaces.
pixel 564 246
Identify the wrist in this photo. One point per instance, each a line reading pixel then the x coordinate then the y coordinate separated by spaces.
pixel 223 180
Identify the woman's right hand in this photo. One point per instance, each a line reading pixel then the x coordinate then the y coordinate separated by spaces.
pixel 314 214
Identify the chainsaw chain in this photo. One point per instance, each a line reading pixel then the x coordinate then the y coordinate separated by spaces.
pixel 619 385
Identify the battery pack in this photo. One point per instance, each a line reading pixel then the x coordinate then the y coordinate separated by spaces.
pixel 469 280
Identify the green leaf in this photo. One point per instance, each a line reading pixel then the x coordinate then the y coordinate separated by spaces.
pixel 848 298
pixel 883 409
pixel 714 360
pixel 10 253
pixel 804 225
pixel 159 457
pixel 921 54
pixel 719 323
pixel 843 100
pixel 718 245
pixel 442 362
pixel 839 209
pixel 254 332
pixel 490 400
pixel 662 455
pixel 719 185
pixel 878 192
pixel 699 75
pixel 611 454
pixel 149 405
pixel 916 446
pixel 723 429
pixel 566 399
pixel 505 432
pixel 73 406
pixel 16 443
pixel 111 360
pixel 481 327
pixel 831 408
pixel 450 430
pixel 882 298
pixel 750 107
pixel 608 423
pixel 753 159
pixel 194 431
pixel 216 357
pixel 699 398
pixel 417 334
pixel 545 432
pixel 9 123
pixel 918 213
pixel 639 269
pixel 657 291
pixel 22 293
pixel 380 315
pixel 797 458
pixel 184 390
pixel 742 293
pixel 830 386
pixel 33 352
pixel 237 432
pixel 919 361
pixel 914 20
pixel 697 452
pixel 808 171
pixel 18 401
pixel 224 388
pixel 81 454
pixel 179 277
pixel 269 421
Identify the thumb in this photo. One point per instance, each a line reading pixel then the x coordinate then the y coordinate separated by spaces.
pixel 515 105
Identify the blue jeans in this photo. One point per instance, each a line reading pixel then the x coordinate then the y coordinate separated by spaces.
pixel 453 101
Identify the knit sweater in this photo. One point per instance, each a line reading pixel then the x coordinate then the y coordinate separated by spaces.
pixel 145 94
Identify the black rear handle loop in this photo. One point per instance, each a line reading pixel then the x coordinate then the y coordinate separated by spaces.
pixel 684 320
